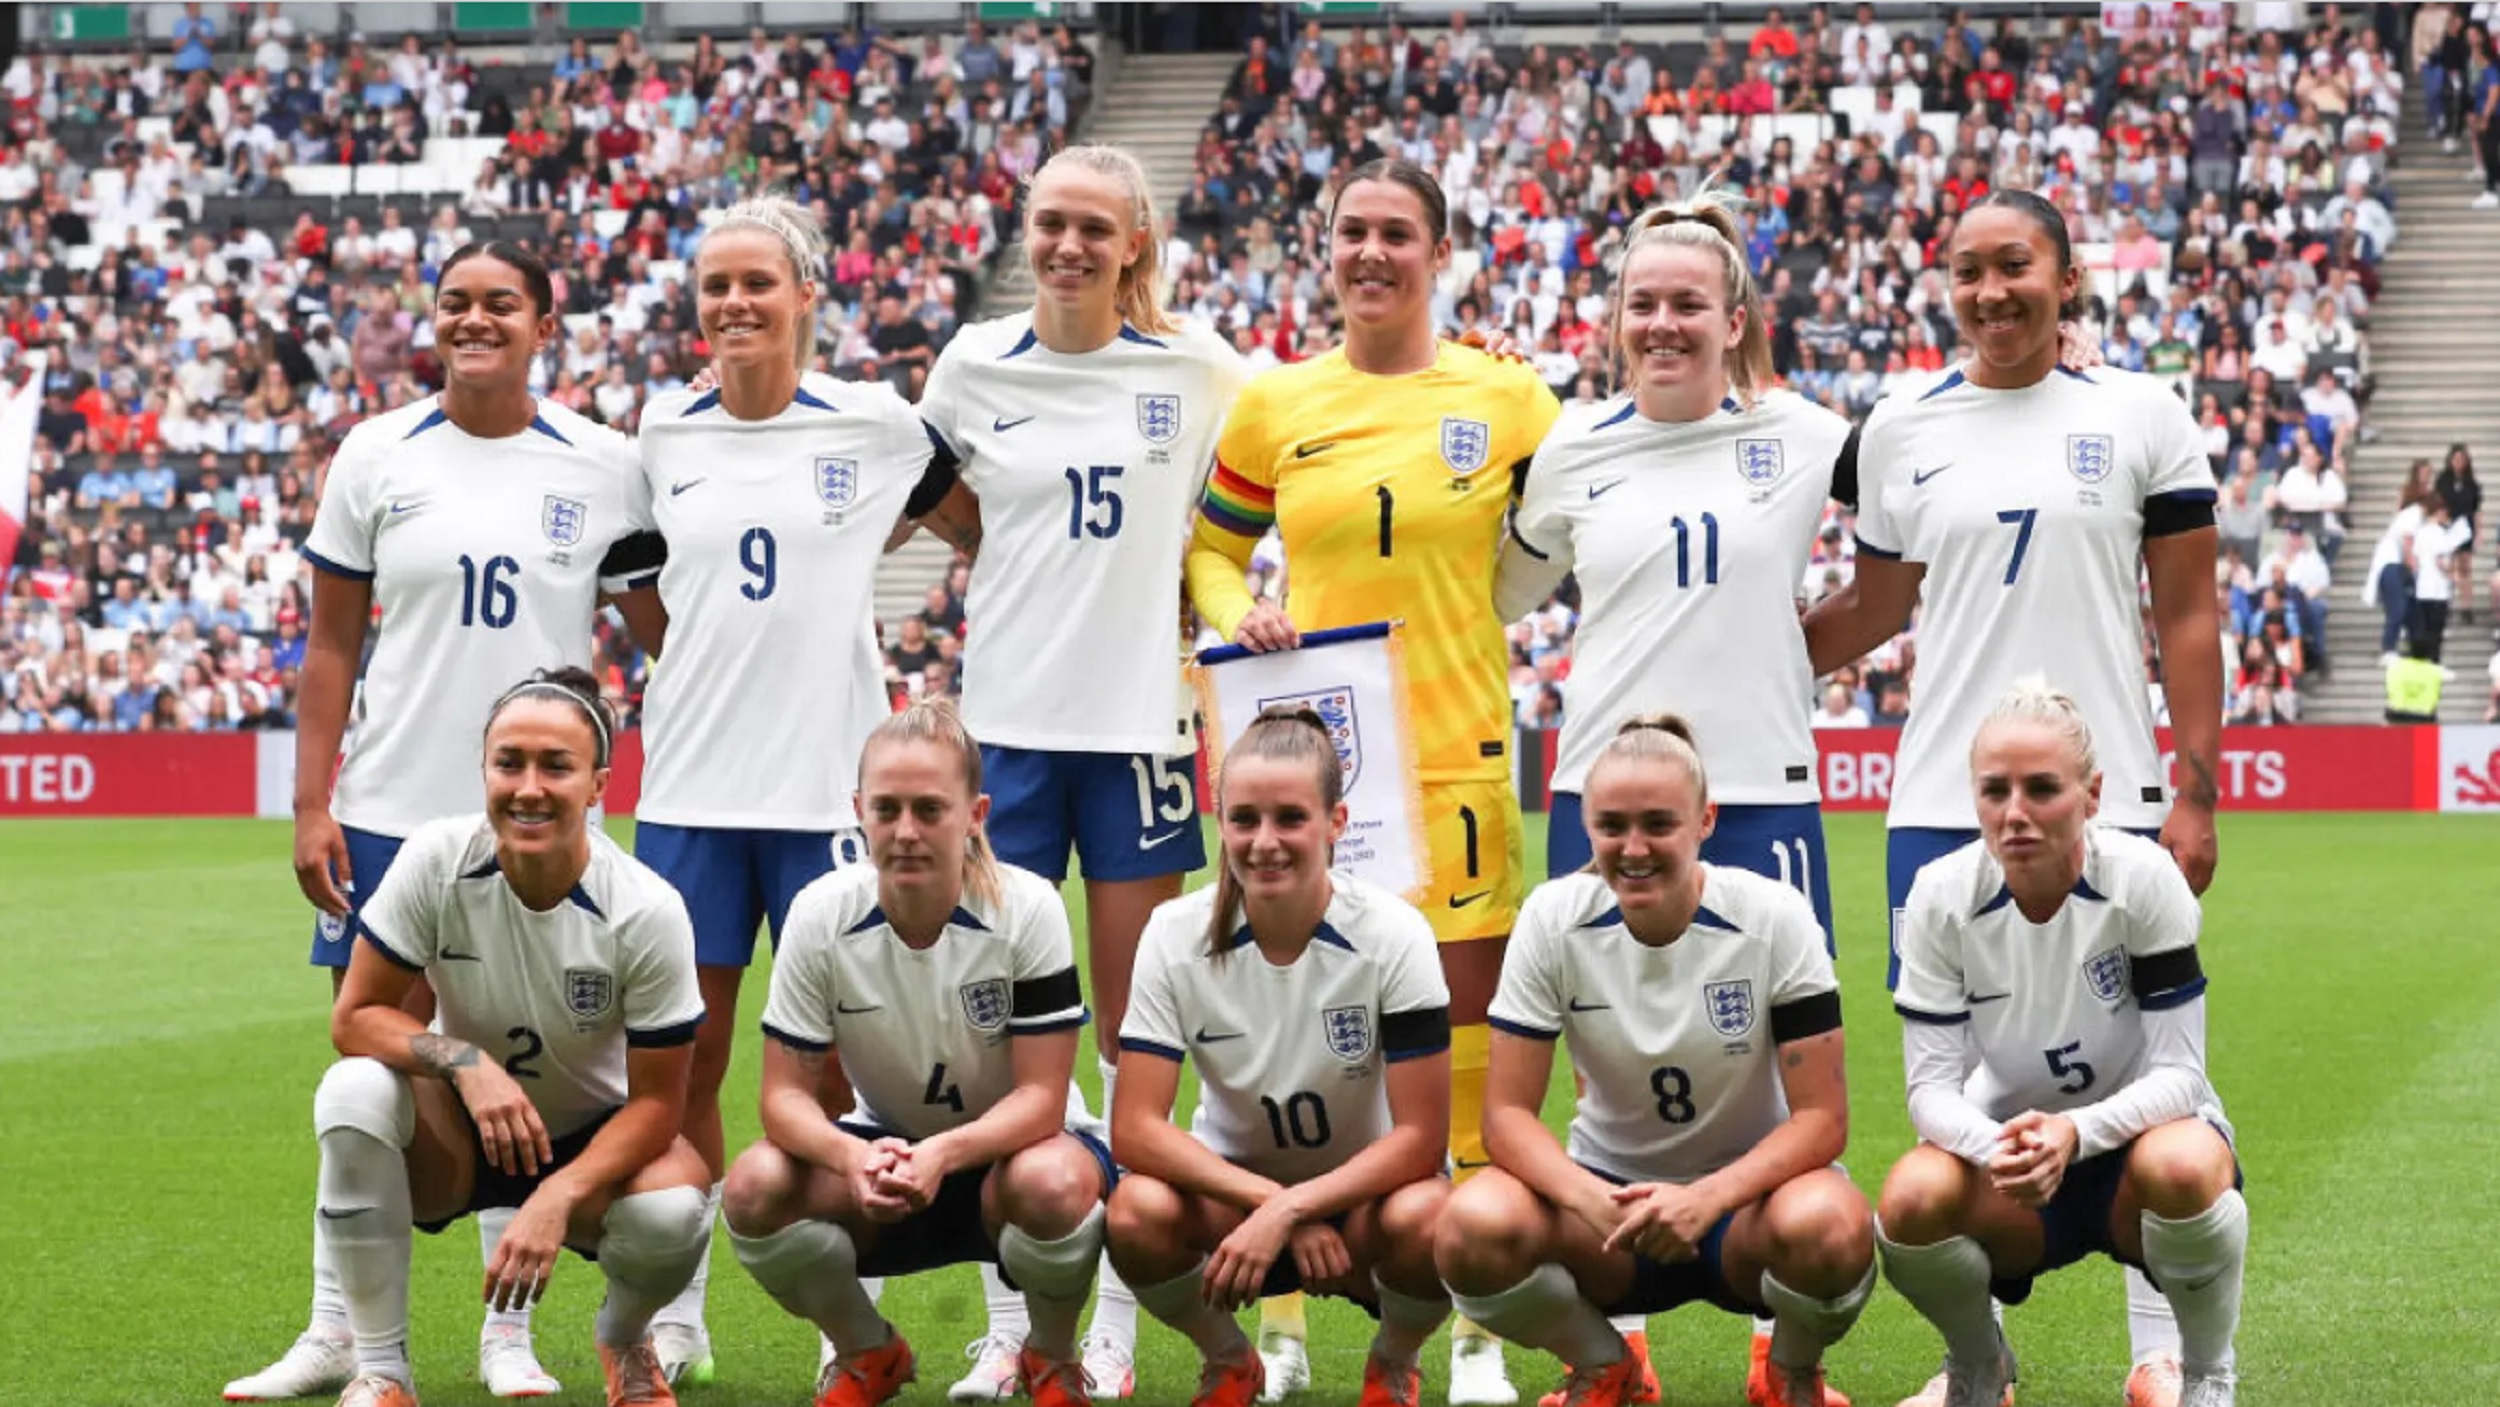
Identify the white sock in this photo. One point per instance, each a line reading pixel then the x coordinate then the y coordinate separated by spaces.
pixel 2152 1330
pixel 649 1246
pixel 1802 1326
pixel 1056 1276
pixel 364 1200
pixel 1405 1322
pixel 490 1225
pixel 1179 1303
pixel 811 1268
pixel 1948 1284
pixel 2200 1260
pixel 329 1302
pixel 1008 1316
pixel 1547 1311
pixel 686 1310
pixel 1115 1305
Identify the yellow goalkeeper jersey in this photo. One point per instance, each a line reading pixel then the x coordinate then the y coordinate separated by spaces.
pixel 1389 494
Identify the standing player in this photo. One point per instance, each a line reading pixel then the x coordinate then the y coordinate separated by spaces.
pixel 482 523
pixel 1704 1022
pixel 2016 498
pixel 1312 1005
pixel 1387 466
pixel 2055 935
pixel 1688 509
pixel 774 493
pixel 1084 429
pixel 554 1074
pixel 947 982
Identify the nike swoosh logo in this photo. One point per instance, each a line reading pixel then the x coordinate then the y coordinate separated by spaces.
pixel 1991 997
pixel 1205 1037
pixel 1306 451
pixel 1460 901
pixel 329 1215
pixel 1578 1005
pixel 676 489
pixel 1920 476
pixel 1151 841
pixel 854 1010
pixel 1002 425
pixel 399 508
pixel 1597 491
pixel 449 956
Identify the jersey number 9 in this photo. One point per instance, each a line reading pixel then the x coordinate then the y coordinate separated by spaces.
pixel 761 556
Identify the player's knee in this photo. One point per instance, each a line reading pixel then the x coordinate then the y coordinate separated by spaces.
pixel 665 1227
pixel 1486 1236
pixel 1411 1215
pixel 758 1197
pixel 1142 1227
pixel 1822 1232
pixel 1925 1197
pixel 1050 1187
pixel 367 1096
pixel 2180 1168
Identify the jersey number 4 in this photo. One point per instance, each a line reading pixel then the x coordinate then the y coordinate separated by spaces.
pixel 943 1091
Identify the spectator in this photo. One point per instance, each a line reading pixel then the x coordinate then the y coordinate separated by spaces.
pixel 1840 709
pixel 2463 493
pixel 2436 545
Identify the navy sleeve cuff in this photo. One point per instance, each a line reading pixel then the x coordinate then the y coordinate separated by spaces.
pixel 334 568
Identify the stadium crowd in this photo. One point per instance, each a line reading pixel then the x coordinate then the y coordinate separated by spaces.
pixel 211 335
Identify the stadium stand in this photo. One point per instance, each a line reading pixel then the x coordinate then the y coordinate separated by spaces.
pixel 222 236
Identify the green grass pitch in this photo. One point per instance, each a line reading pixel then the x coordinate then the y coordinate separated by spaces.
pixel 163 1036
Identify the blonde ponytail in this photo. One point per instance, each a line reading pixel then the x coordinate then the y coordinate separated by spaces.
pixel 1138 294
pixel 2031 699
pixel 802 239
pixel 935 721
pixel 1712 220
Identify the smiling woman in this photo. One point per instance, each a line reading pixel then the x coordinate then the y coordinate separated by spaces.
pixel 774 496
pixel 484 524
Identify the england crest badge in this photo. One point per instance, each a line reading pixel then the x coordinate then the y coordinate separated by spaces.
pixel 1761 462
pixel 985 1003
pixel 1159 419
pixel 562 519
pixel 1335 707
pixel 2091 457
pixel 2105 972
pixel 1349 1031
pixel 1465 444
pixel 588 991
pixel 837 480
pixel 1730 1005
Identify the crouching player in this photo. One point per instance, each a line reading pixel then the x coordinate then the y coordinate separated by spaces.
pixel 1314 1009
pixel 947 982
pixel 1704 1021
pixel 2055 962
pixel 554 1075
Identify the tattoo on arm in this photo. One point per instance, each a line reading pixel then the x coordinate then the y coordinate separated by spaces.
pixel 2203 788
pixel 1793 1059
pixel 963 537
pixel 442 1056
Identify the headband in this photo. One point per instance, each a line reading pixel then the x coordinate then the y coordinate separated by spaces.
pixel 548 688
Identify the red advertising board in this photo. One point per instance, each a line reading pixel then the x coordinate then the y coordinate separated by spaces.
pixel 129 774
pixel 2319 768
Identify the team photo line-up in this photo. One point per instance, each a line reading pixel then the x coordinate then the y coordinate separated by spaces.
pixel 520 1004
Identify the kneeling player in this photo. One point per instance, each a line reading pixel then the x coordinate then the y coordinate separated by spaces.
pixel 1314 1008
pixel 554 1076
pixel 2055 961
pixel 948 984
pixel 1704 1022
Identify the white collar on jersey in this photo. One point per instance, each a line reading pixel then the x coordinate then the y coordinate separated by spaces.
pixel 1325 933
pixel 1703 917
pixel 2005 895
pixel 961 918
pixel 493 868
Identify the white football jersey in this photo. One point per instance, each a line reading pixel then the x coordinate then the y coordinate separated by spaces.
pixel 1689 541
pixel 1291 1060
pixel 555 997
pixel 2028 509
pixel 1676 1046
pixel 485 559
pixel 923 1033
pixel 758 710
pixel 2055 1009
pixel 1088 469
